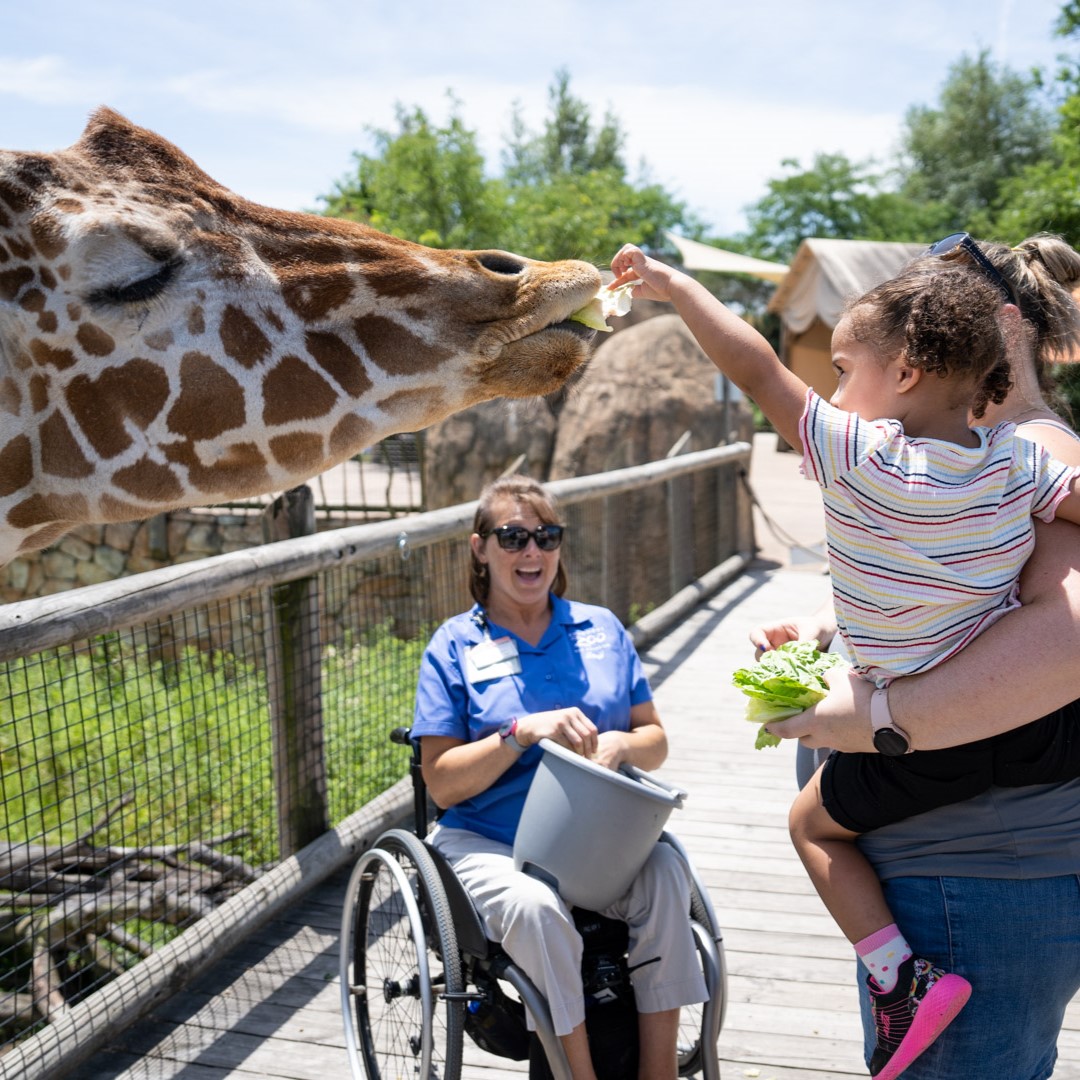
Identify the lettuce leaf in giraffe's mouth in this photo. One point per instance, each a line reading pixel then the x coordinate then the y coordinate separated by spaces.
pixel 607 303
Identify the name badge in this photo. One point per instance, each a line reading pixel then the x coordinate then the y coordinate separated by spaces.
pixel 493 658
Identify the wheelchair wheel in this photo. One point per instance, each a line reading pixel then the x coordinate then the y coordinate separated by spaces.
pixel 700 1024
pixel 400 966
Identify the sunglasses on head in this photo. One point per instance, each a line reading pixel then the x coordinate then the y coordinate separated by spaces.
pixel 962 241
pixel 516 537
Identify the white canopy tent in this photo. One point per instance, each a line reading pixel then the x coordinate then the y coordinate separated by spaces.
pixel 826 273
pixel 697 256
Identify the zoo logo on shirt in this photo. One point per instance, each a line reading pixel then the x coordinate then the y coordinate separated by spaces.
pixel 591 642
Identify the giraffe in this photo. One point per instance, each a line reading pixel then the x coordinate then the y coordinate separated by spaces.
pixel 166 343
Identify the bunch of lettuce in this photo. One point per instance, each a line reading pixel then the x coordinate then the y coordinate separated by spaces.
pixel 785 681
pixel 608 302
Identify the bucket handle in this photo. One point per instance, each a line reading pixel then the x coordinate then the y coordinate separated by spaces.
pixel 635 773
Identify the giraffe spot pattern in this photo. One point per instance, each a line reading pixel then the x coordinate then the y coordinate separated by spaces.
pixel 314 297
pixel 16 465
pixel 135 391
pixel 39 392
pixel 340 362
pixel 210 403
pixel 42 509
pixel 240 468
pixel 299 452
pixel 48 237
pixel 45 355
pixel 293 391
pixel 241 337
pixel 396 350
pixel 10 396
pixel 60 452
pixel 350 434
pixel 13 281
pixel 149 481
pixel 94 340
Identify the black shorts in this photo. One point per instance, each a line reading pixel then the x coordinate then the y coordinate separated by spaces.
pixel 866 791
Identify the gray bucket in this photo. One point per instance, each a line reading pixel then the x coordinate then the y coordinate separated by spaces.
pixel 587 830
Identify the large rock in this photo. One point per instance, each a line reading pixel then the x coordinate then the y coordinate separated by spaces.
pixel 470 448
pixel 642 390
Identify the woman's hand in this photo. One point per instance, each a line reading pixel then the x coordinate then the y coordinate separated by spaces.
pixel 613 748
pixel 568 727
pixel 840 721
pixel 819 627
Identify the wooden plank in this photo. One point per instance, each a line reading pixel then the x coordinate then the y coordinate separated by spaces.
pixel 270 1008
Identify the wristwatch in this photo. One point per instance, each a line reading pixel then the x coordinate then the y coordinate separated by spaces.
pixel 888 738
pixel 506 733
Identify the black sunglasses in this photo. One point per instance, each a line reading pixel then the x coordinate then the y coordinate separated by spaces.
pixel 964 242
pixel 516 537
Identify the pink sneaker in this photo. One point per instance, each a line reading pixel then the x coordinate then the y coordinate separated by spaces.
pixel 913 1014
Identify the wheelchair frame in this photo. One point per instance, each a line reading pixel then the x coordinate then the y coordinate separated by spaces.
pixel 414 957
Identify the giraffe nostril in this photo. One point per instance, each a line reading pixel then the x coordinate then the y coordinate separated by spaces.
pixel 498 262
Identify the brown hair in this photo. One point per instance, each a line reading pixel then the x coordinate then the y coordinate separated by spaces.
pixel 1044 271
pixel 943 319
pixel 523 490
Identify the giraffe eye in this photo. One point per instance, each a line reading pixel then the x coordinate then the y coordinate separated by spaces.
pixel 137 291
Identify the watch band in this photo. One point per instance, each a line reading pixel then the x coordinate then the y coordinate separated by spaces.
pixel 506 733
pixel 888 738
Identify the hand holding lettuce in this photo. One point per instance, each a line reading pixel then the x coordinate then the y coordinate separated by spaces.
pixel 785 681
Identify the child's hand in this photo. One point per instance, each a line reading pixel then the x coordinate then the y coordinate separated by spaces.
pixel 656 278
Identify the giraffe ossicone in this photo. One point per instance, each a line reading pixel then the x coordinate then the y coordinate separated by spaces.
pixel 166 343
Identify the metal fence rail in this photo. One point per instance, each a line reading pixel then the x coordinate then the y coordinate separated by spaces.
pixel 194 743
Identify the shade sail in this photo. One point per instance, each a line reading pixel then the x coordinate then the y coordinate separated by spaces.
pixel 697 256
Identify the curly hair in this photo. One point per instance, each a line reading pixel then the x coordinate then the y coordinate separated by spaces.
pixel 529 493
pixel 943 320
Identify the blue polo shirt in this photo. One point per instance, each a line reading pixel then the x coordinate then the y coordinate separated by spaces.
pixel 585 658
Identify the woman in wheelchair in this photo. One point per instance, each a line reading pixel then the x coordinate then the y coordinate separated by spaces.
pixel 523 665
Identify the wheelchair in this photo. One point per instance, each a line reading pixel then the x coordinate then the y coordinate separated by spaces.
pixel 418 973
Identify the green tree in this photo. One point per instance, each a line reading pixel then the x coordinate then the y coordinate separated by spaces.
pixel 835 197
pixel 564 192
pixel 991 124
pixel 425 183
pixel 1043 197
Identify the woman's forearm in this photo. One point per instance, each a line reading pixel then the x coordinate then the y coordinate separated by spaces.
pixel 1024 666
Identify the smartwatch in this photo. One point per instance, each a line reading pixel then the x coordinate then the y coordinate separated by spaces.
pixel 506 733
pixel 888 738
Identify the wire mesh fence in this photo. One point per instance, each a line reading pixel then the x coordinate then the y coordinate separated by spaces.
pixel 166 738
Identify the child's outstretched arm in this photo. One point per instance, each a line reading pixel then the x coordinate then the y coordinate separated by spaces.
pixel 732 344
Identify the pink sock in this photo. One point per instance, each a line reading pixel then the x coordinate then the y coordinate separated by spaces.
pixel 883 952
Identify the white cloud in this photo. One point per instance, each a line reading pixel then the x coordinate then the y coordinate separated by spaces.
pixel 53 80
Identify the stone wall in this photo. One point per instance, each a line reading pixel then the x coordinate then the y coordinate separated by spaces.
pixel 93 553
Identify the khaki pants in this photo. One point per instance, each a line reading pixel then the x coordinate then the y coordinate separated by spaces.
pixel 535 927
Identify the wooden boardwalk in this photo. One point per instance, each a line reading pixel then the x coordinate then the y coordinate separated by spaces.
pixel 270 1008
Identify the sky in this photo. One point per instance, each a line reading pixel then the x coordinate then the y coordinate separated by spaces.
pixel 272 98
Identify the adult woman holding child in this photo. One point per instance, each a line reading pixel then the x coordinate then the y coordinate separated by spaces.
pixel 991 884
pixel 522 665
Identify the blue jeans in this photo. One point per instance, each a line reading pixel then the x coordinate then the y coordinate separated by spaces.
pixel 1018 944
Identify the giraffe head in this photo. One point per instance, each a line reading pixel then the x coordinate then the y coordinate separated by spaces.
pixel 166 343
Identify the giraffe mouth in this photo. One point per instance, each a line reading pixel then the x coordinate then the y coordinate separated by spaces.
pixel 587 334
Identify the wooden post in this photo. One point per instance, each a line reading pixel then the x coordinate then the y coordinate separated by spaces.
pixel 680 526
pixel 295 681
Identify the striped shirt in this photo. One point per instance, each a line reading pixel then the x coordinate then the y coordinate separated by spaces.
pixel 926 538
